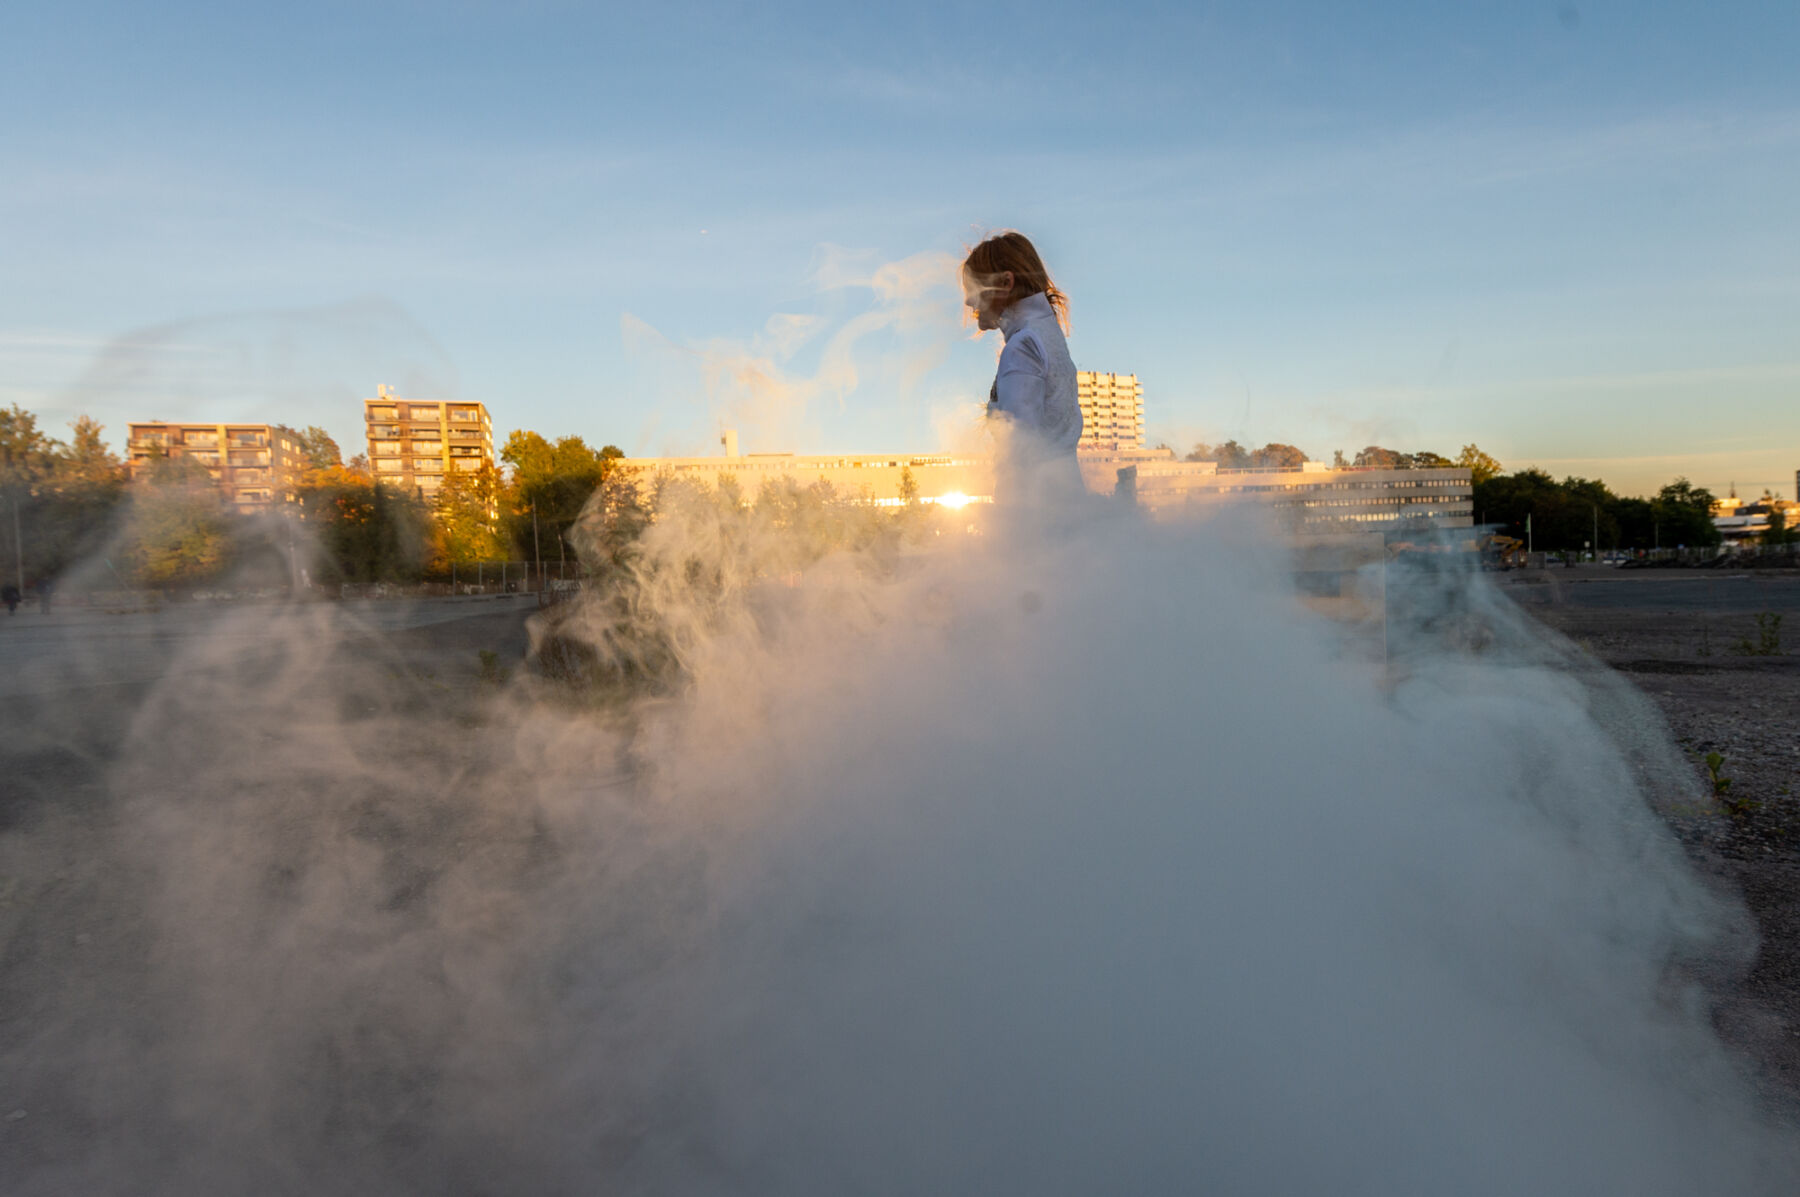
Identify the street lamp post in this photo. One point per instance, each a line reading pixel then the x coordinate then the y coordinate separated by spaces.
pixel 18 544
pixel 537 555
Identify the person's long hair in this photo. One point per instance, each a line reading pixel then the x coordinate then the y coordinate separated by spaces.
pixel 1014 252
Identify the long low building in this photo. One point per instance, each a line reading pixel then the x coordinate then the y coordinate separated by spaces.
pixel 1313 497
pixel 887 479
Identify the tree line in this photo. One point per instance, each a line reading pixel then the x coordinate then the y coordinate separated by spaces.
pixel 1577 512
pixel 1278 456
pixel 1569 514
pixel 75 512
pixel 72 506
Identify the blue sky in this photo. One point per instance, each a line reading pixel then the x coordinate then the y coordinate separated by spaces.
pixel 1566 232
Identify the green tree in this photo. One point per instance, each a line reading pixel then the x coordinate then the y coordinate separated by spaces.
pixel 909 487
pixel 1567 514
pixel 62 498
pixel 1684 514
pixel 1778 533
pixel 553 481
pixel 25 462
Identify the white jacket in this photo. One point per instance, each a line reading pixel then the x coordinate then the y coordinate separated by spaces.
pixel 1035 386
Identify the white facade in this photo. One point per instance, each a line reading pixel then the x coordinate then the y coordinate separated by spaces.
pixel 1112 410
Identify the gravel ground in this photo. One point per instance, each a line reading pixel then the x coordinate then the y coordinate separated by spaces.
pixel 77 952
pixel 1728 684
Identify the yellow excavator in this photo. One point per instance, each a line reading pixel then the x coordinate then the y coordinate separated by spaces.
pixel 1502 552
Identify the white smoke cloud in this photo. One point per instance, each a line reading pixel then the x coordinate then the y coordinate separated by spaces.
pixel 894 321
pixel 1004 865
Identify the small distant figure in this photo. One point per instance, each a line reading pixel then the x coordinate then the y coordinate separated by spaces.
pixel 9 594
pixel 43 595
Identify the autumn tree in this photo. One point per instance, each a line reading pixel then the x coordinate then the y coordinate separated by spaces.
pixel 179 532
pixel 83 495
pixel 1377 458
pixel 318 450
pixel 1228 456
pixel 1426 460
pixel 463 524
pixel 363 530
pixel 1274 456
pixel 1481 467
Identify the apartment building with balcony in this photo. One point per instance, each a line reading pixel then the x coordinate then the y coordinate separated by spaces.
pixel 1112 410
pixel 417 443
pixel 254 465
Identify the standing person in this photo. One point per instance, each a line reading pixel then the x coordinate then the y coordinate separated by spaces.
pixel 1032 407
pixel 9 594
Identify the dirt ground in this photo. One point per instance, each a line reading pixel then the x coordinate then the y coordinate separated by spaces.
pixel 1718 654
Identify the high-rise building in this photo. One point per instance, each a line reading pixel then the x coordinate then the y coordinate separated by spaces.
pixel 415 443
pixel 1112 410
pixel 255 465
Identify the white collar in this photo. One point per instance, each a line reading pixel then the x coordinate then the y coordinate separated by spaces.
pixel 1023 311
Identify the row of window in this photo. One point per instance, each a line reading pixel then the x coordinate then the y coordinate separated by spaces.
pixel 1390 516
pixel 422 411
pixel 1371 501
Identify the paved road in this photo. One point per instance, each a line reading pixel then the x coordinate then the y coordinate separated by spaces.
pixel 75 649
pixel 1657 590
